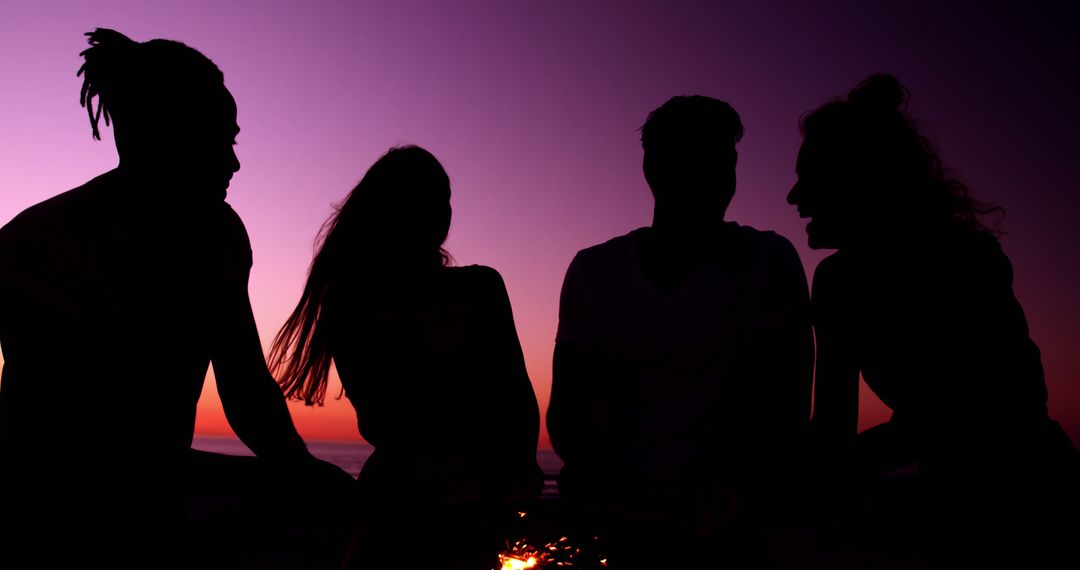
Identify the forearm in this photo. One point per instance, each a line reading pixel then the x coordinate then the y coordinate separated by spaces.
pixel 578 429
pixel 259 416
pixel 576 420
pixel 257 412
pixel 519 431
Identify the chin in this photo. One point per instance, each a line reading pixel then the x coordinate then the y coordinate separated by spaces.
pixel 210 190
pixel 217 184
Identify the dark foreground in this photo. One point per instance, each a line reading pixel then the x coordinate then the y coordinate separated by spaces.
pixel 237 519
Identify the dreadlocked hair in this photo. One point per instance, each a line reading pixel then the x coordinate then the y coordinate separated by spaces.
pixel 127 76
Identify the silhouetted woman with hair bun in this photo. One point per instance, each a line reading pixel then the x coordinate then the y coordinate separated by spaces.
pixel 429 357
pixel 919 300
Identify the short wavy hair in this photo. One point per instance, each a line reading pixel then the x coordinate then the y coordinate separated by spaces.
pixel 685 116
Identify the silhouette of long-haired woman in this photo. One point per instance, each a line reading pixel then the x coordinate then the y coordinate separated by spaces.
pixel 429 357
pixel 919 300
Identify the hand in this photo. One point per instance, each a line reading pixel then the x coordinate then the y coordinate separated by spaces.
pixel 326 475
pixel 305 471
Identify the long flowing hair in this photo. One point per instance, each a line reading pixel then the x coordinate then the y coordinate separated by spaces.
pixel 394 223
pixel 887 144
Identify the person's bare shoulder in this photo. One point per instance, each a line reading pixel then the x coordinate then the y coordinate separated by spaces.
pixel 479 278
pixel 52 219
pixel 830 289
pixel 772 243
pixel 613 247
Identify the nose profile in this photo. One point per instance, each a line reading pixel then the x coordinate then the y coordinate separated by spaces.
pixel 793 195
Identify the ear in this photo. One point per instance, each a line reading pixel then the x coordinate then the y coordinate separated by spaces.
pixel 648 167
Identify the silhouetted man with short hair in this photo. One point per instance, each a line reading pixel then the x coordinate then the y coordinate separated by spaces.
pixel 683 359
pixel 114 299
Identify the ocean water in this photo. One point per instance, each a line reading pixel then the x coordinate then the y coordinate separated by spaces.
pixel 351 456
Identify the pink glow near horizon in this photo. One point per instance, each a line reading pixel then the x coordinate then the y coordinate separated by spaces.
pixel 532 107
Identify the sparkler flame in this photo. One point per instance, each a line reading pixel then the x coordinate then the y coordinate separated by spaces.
pixel 522 556
pixel 510 562
pixel 561 553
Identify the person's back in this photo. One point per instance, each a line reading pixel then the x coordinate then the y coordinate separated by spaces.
pixel 678 366
pixel 683 355
pixel 429 357
pixel 438 382
pixel 945 359
pixel 104 329
pixel 114 299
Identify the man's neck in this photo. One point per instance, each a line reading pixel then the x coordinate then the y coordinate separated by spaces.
pixel 670 230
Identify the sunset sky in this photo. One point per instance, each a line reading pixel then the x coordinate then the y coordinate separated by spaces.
pixel 532 107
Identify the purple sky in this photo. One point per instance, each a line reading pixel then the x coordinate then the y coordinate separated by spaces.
pixel 533 106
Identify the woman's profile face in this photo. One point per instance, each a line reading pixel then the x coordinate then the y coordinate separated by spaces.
pixel 825 194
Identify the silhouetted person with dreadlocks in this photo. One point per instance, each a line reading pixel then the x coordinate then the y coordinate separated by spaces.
pixel 919 300
pixel 683 360
pixel 429 357
pixel 114 299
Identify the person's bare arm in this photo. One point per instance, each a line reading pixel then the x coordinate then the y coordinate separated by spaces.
pixel 575 416
pixel 252 400
pixel 835 420
pixel 836 384
pixel 255 405
pixel 524 431
pixel 576 419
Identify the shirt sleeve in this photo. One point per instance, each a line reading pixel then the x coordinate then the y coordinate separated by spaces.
pixel 575 325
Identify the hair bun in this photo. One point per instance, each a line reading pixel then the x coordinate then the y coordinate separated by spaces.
pixel 879 92
pixel 108 38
